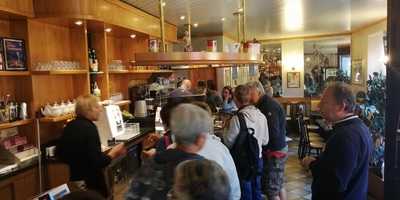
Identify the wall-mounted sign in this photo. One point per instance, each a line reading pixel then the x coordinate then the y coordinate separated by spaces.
pixel 293 79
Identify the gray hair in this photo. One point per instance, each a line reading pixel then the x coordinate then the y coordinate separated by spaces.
pixel 257 86
pixel 201 179
pixel 188 122
pixel 343 95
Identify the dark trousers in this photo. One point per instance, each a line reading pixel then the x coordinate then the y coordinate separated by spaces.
pixel 251 189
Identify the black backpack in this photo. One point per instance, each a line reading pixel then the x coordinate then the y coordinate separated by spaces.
pixel 245 151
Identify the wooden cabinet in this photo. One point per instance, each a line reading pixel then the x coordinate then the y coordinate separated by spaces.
pixel 22 186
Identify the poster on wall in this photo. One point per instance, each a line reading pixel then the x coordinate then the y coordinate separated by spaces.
pixel 293 79
pixel 14 54
pixel 356 72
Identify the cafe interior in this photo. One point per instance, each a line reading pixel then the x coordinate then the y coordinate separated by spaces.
pixel 132 53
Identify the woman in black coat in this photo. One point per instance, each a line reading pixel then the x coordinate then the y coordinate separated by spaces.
pixel 80 147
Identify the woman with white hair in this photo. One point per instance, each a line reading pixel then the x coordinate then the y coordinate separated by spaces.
pixel 80 148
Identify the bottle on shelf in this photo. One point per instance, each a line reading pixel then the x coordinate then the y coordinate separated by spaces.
pixel 93 62
pixel 96 90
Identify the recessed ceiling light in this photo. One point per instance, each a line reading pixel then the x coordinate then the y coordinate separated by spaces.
pixel 132 36
pixel 195 25
pixel 182 17
pixel 240 10
pixel 108 30
pixel 223 19
pixel 163 4
pixel 79 22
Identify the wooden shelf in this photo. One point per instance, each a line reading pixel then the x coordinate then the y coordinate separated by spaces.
pixel 118 103
pixel 140 71
pixel 14 73
pixel 96 73
pixel 195 58
pixel 122 103
pixel 57 119
pixel 15 124
pixel 61 72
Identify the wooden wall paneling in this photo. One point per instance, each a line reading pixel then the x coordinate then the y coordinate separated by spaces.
pixel 81 85
pixel 48 42
pixel 114 48
pixel 79 46
pixel 128 50
pixel 108 11
pixel 5 28
pixel 17 7
pixel 50 89
pixel 50 132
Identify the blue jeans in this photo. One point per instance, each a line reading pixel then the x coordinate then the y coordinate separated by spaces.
pixel 251 189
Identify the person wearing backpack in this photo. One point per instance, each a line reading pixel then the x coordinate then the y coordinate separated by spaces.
pixel 247 133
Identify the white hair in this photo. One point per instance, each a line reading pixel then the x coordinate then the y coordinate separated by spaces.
pixel 186 84
pixel 257 86
pixel 188 122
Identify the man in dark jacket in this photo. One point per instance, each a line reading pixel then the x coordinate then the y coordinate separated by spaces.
pixel 190 125
pixel 341 171
pixel 275 153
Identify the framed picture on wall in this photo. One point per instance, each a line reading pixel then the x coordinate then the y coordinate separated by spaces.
pixel 293 79
pixel 330 72
pixel 14 54
pixel 356 72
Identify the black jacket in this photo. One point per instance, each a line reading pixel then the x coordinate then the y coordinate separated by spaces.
pixel 80 148
pixel 276 118
pixel 341 171
pixel 155 177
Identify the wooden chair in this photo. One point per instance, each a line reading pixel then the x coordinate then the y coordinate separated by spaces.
pixel 308 143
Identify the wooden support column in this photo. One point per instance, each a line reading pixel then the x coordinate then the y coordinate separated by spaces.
pixel 392 148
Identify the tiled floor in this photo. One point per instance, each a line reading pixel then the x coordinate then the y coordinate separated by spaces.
pixel 297 183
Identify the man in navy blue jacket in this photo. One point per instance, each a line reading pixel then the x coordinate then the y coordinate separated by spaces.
pixel 341 171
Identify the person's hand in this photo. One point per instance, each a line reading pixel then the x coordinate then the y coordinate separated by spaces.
pixel 151 140
pixel 307 161
pixel 149 153
pixel 117 151
pixel 171 146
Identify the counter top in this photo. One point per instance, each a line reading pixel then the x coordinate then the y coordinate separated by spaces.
pixel 132 141
pixel 19 168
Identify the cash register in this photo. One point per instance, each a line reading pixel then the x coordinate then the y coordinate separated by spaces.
pixel 111 126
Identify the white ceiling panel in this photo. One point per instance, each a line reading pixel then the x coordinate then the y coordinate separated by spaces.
pixel 270 18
